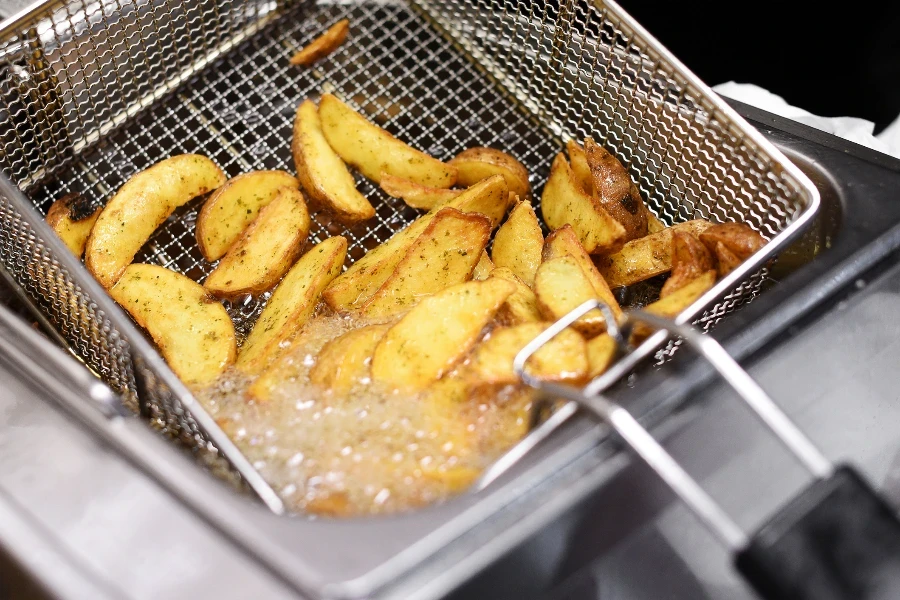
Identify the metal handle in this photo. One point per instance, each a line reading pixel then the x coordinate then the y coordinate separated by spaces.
pixel 836 540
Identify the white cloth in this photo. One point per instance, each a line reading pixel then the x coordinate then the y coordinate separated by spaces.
pixel 850 128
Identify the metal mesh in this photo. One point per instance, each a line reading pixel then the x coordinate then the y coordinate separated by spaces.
pixel 93 92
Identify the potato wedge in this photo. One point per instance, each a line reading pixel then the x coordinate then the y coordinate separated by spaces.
pixel 483 268
pixel 475 164
pixel 601 353
pixel 564 358
pixel 374 151
pixel 615 190
pixel 579 164
pixel 140 206
pixel 726 260
pixel 436 334
pixel 564 202
pixel 644 257
pixel 231 208
pixel 357 284
pixel 322 172
pixel 739 238
pixel 323 45
pixel 690 260
pixel 72 217
pixel 519 243
pixel 560 286
pixel 521 306
pixel 653 223
pixel 564 242
pixel 265 251
pixel 414 194
pixel 191 329
pixel 445 254
pixel 292 304
pixel 344 361
pixel 672 305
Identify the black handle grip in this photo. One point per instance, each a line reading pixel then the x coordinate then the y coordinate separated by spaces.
pixel 837 540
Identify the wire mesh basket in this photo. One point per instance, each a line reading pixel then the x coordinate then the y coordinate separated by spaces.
pixel 92 92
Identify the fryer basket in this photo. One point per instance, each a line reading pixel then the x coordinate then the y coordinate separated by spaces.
pixel 93 92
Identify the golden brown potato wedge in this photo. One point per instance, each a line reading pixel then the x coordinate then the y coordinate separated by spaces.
pixel 560 286
pixel 653 223
pixel 357 284
pixel 564 242
pixel 72 218
pixel 563 358
pixel 414 194
pixel 374 151
pixel 436 334
pixel 644 257
pixel 475 164
pixel 739 238
pixel 521 306
pixel 615 190
pixel 322 172
pixel 672 305
pixel 726 260
pixel 191 329
pixel 579 164
pixel 601 353
pixel 265 251
pixel 323 45
pixel 292 304
pixel 140 206
pixel 445 254
pixel 519 243
pixel 690 260
pixel 564 202
pixel 344 361
pixel 231 208
pixel 483 268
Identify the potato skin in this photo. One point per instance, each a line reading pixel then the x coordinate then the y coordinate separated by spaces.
pixel 726 260
pixel 72 218
pixel 323 45
pixel 140 206
pixel 738 238
pixel 475 164
pixel 615 190
pixel 690 259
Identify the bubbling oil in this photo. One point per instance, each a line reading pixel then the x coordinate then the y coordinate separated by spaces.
pixel 370 450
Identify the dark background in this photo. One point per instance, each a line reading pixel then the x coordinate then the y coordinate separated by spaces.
pixel 828 58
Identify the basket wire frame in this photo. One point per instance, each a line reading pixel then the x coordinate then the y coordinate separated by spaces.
pixel 93 92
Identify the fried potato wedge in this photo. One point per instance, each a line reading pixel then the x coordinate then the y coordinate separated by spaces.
pixel 483 268
pixel 653 223
pixel 292 304
pixel 672 305
pixel 344 361
pixel 519 243
pixel 563 358
pixel 436 334
pixel 564 242
pixel 560 286
pixel 601 353
pixel 615 190
pixel 644 257
pixel 416 195
pixel 140 206
pixel 475 164
pixel 323 174
pixel 231 208
pixel 445 254
pixel 690 260
pixel 356 285
pixel 265 251
pixel 578 162
pixel 521 306
pixel 72 218
pixel 374 151
pixel 739 238
pixel 323 45
pixel 725 259
pixel 564 202
pixel 191 329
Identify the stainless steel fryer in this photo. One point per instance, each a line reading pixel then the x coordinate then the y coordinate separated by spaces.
pixel 93 92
